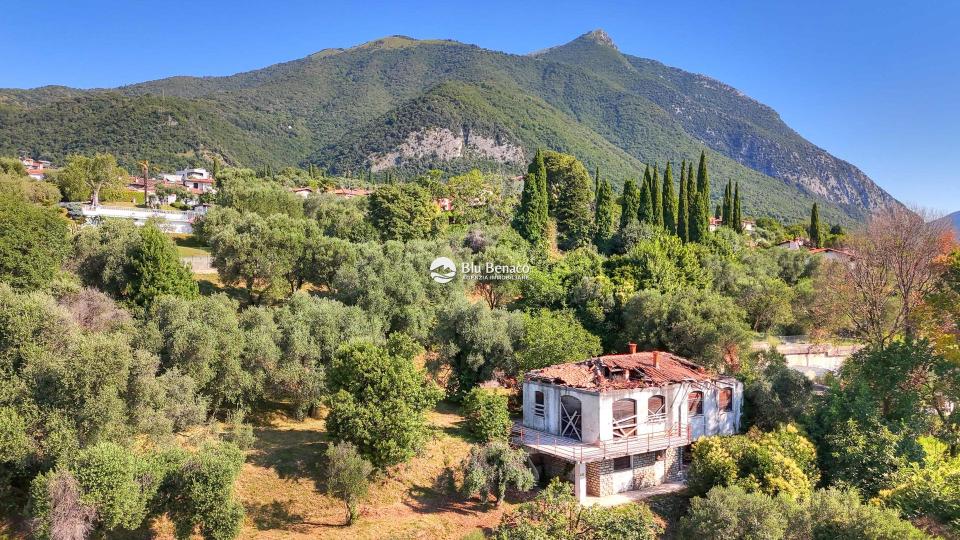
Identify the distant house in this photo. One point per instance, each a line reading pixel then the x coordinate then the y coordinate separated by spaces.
pixel 833 254
pixel 748 224
pixel 171 178
pixel 188 174
pixel 303 192
pixel 36 169
pixel 623 422
pixel 793 244
pixel 199 185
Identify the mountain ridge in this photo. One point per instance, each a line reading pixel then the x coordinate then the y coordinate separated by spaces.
pixel 345 109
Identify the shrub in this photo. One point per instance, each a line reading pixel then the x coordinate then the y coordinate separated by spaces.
pixel 348 476
pixel 555 514
pixel 779 462
pixel 733 513
pixel 486 414
pixel 491 468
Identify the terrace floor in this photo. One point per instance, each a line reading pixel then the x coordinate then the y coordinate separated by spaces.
pixel 637 495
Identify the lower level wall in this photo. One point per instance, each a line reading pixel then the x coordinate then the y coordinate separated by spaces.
pixel 645 471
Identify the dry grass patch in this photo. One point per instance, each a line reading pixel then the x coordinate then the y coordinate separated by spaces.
pixel 282 488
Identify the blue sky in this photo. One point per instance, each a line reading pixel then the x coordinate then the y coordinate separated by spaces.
pixel 875 83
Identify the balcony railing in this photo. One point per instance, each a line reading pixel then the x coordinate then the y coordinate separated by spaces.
pixel 578 451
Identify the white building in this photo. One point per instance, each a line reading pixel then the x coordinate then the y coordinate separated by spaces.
pixel 623 422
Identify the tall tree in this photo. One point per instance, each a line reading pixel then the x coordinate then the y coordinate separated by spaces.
pixel 596 182
pixel 815 226
pixel 657 197
pixel 530 220
pixel 539 169
pixel 683 204
pixel 669 202
pixel 630 202
pixel 378 400
pixel 604 214
pixel 700 212
pixel 87 176
pixel 727 210
pixel 403 212
pixel 575 226
pixel 645 212
pixel 737 215
pixel 699 218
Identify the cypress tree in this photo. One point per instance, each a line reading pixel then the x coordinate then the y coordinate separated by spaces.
pixel 657 197
pixel 630 203
pixel 604 215
pixel 718 212
pixel 697 208
pixel 645 213
pixel 539 167
pixel 815 226
pixel 703 178
pixel 737 216
pixel 727 214
pixel 525 221
pixel 669 202
pixel 596 182
pixel 683 204
pixel 531 218
pixel 703 189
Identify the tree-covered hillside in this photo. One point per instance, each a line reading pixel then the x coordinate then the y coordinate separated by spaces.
pixel 380 104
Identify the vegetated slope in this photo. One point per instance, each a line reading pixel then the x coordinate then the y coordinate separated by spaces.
pixel 954 221
pixel 413 105
pixel 726 120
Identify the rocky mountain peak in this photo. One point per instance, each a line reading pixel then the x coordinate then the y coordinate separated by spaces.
pixel 600 37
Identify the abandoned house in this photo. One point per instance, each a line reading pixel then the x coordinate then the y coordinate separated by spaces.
pixel 623 422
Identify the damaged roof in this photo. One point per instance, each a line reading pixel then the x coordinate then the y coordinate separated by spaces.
pixel 624 371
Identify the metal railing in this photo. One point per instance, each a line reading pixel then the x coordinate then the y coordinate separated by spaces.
pixel 578 451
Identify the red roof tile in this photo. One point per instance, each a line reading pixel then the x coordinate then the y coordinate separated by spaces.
pixel 618 371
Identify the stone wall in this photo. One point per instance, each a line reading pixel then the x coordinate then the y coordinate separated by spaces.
pixel 599 482
pixel 601 476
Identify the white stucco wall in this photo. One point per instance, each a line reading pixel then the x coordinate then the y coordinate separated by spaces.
pixel 597 409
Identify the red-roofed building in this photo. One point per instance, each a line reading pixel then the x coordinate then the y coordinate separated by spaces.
pixel 624 421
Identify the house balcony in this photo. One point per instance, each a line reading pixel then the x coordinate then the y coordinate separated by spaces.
pixel 576 451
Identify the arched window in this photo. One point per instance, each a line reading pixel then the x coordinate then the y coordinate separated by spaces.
pixel 695 403
pixel 538 404
pixel 656 409
pixel 725 399
pixel 570 417
pixel 624 418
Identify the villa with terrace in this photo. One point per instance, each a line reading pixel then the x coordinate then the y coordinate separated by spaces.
pixel 623 422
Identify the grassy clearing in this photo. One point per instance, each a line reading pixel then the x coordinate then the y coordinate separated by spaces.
pixel 282 487
pixel 188 246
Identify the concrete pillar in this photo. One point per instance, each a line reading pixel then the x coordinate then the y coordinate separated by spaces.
pixel 580 482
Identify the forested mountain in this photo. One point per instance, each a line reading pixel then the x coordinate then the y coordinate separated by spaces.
pixel 409 105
